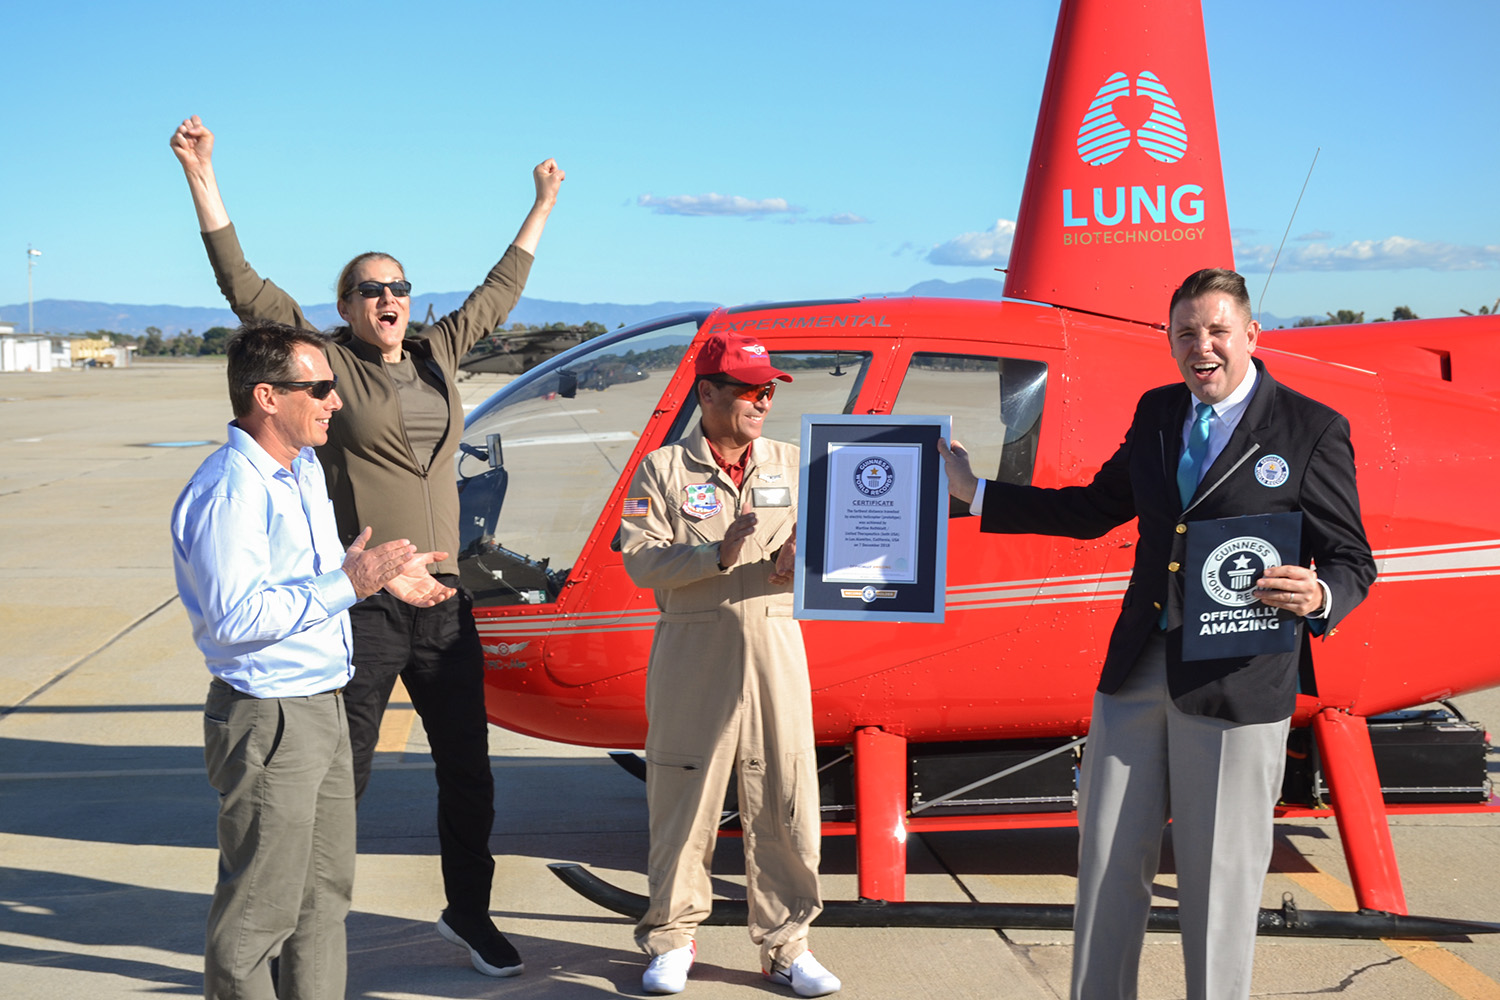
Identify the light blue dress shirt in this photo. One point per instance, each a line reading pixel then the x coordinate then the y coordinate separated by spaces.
pixel 260 571
pixel 1227 414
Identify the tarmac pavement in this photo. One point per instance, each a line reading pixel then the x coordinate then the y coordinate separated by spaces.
pixel 107 856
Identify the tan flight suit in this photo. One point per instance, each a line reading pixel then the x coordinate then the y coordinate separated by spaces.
pixel 727 686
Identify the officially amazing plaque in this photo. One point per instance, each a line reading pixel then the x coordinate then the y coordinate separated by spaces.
pixel 1221 616
pixel 872 521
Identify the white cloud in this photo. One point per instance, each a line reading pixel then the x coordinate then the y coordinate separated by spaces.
pixel 990 248
pixel 1394 253
pixel 1316 234
pixel 842 219
pixel 717 204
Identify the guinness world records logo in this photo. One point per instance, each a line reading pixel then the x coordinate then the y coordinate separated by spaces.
pixel 874 477
pixel 1230 571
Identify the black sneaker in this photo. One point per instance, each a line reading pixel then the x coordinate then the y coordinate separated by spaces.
pixel 488 949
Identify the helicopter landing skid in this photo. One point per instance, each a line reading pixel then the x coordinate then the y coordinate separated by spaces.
pixel 1288 921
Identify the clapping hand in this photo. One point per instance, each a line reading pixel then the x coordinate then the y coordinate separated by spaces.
pixel 396 566
pixel 739 529
pixel 786 561
pixel 416 586
pixel 370 569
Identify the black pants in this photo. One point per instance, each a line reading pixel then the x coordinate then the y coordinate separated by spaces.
pixel 437 654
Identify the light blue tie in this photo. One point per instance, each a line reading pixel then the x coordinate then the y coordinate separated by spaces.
pixel 1190 466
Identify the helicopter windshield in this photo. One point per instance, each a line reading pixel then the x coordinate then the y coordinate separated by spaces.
pixel 539 458
pixel 995 403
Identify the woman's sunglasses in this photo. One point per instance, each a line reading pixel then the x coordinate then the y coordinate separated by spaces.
pixel 317 390
pixel 372 289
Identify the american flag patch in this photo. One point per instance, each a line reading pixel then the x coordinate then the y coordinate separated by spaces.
pixel 635 507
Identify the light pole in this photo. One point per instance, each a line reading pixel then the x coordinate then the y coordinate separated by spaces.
pixel 31 256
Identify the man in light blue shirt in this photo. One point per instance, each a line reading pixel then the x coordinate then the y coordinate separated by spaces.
pixel 267 586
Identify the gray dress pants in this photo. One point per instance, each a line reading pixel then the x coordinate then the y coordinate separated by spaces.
pixel 1218 782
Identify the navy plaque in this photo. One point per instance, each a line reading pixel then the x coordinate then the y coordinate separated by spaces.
pixel 1221 616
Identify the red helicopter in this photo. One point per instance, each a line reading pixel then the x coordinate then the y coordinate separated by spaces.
pixel 975 723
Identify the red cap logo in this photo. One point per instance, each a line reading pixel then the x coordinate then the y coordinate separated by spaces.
pixel 737 356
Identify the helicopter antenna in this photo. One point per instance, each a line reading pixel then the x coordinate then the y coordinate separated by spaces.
pixel 1285 234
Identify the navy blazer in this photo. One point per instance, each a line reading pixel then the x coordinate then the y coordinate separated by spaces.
pixel 1140 481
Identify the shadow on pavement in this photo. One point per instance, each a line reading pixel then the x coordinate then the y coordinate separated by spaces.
pixel 51 907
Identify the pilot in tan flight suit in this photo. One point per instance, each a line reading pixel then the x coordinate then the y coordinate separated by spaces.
pixel 710 524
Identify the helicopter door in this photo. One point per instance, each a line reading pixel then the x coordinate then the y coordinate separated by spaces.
pixel 996 404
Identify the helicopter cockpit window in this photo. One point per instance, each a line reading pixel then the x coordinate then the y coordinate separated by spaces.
pixel 996 405
pixel 538 460
pixel 822 382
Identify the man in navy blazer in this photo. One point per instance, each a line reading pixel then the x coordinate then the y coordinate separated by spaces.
pixel 1200 742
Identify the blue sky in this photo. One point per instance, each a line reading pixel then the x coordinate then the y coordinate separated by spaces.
pixel 717 152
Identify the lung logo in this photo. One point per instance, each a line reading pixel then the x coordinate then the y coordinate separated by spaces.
pixel 1102 137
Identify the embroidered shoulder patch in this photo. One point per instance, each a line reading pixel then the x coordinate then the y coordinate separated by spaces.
pixel 635 507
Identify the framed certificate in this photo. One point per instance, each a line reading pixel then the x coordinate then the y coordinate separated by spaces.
pixel 872 519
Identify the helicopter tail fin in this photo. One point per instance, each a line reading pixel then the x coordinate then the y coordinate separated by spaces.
pixel 1124 195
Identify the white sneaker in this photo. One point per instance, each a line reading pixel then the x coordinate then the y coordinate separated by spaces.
pixel 668 973
pixel 807 977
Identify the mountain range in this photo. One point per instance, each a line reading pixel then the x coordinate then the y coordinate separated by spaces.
pixel 73 316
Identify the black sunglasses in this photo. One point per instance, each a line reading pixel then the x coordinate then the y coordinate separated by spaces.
pixel 317 390
pixel 372 289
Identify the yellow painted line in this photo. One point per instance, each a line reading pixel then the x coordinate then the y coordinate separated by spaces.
pixel 1448 969
pixel 1433 959
pixel 395 727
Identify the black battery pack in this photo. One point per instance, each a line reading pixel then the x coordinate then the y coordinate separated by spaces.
pixel 1421 755
pixel 1048 785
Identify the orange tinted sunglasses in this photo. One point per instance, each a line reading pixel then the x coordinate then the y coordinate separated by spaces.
pixel 749 393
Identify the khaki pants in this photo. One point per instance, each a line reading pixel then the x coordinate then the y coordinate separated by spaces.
pixel 286 845
pixel 698 733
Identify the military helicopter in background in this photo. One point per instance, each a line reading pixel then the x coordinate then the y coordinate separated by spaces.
pixel 975 723
pixel 511 352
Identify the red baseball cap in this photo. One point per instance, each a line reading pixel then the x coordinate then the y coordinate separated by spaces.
pixel 742 358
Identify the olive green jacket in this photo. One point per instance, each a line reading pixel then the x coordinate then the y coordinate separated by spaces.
pixel 374 477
